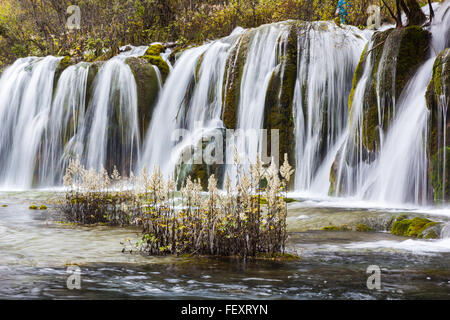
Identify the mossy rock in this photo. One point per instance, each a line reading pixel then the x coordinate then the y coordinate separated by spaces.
pixel 92 74
pixel 4 205
pixel 198 66
pixel 437 96
pixel 336 228
pixel 148 89
pixel 439 181
pixel 63 65
pixel 395 56
pixel 232 80
pixel 415 227
pixel 176 53
pixel 33 207
pixel 160 63
pixel 155 50
pixel 363 228
pixel 278 110
pixel 359 71
pixel 43 207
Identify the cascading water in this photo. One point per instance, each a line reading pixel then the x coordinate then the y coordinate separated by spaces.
pixel 63 137
pixel 45 124
pixel 25 108
pixel 327 61
pixel 398 173
pixel 113 138
pixel 262 58
pixel 191 100
pixel 194 93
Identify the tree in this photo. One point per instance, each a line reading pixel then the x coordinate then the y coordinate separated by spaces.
pixel 412 10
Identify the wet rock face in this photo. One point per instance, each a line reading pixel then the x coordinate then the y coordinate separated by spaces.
pixel 148 88
pixel 63 65
pixel 437 96
pixel 278 110
pixel 395 56
pixel 232 81
pixel 93 71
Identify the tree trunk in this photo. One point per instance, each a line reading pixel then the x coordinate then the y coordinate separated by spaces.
pixel 415 14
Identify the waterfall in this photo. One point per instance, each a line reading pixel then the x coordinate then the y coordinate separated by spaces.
pixel 25 108
pixel 63 137
pixel 398 172
pixel 327 61
pixel 44 123
pixel 301 72
pixel 194 95
pixel 191 100
pixel 113 138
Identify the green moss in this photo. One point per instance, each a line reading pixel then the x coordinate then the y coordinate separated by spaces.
pixel 413 52
pixel 43 207
pixel 283 257
pixel 232 81
pixel 336 228
pixel 92 73
pixel 411 227
pixel 160 63
pixel 363 228
pixel 33 207
pixel 399 50
pixel 155 50
pixel 357 76
pixel 198 66
pixel 4 205
pixel 437 96
pixel 439 182
pixel 278 112
pixel 200 171
pixel 64 63
pixel 432 234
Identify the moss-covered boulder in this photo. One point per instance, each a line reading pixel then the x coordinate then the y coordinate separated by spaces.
pixel 148 88
pixel 395 56
pixel 278 111
pixel 153 56
pixel 416 228
pixel 438 95
pixel 232 80
pixel 64 63
pixel 155 50
pixel 92 73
